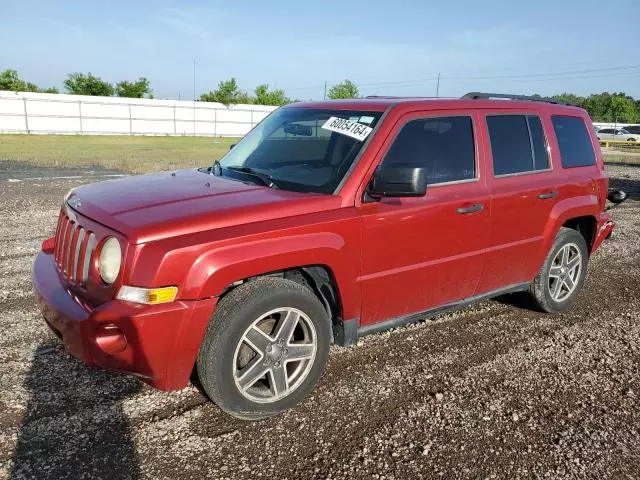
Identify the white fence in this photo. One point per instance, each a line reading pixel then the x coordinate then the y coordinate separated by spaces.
pixel 44 113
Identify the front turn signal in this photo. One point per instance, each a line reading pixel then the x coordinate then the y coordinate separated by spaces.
pixel 148 296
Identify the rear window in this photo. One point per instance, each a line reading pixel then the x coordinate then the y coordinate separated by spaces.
pixel 575 145
pixel 517 144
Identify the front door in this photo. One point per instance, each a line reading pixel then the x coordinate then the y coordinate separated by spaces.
pixel 421 253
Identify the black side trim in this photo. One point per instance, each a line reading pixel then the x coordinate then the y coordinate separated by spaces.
pixel 345 333
pixel 416 317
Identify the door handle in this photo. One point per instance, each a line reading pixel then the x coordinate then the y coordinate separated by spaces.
pixel 476 207
pixel 546 195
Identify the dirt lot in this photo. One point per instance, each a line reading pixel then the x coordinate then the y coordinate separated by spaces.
pixel 494 391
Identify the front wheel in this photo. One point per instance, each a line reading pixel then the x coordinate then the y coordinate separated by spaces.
pixel 265 348
pixel 563 273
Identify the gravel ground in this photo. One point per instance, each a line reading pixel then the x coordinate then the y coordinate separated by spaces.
pixel 493 391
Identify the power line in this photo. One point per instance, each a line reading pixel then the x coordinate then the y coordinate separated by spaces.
pixel 533 75
pixel 545 76
pixel 434 79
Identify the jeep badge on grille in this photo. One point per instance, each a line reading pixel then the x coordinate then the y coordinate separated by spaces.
pixel 74 201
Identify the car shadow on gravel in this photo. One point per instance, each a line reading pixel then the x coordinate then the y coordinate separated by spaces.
pixel 74 425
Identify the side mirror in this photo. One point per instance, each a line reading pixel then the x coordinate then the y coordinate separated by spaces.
pixel 398 181
pixel 617 196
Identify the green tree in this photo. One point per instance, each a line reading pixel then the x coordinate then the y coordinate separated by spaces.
pixel 264 96
pixel 9 80
pixel 344 89
pixel 81 84
pixel 570 98
pixel 612 107
pixel 136 89
pixel 227 93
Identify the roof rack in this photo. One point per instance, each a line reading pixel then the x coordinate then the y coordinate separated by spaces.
pixel 483 95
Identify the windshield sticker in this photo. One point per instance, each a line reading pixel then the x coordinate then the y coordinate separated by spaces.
pixel 347 127
pixel 366 120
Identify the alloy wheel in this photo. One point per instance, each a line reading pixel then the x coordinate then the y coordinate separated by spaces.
pixel 274 355
pixel 565 272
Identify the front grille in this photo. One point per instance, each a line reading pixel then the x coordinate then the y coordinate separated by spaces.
pixel 73 249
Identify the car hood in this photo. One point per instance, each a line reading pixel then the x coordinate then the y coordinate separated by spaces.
pixel 160 205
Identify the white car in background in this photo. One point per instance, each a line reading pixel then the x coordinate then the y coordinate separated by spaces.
pixel 617 134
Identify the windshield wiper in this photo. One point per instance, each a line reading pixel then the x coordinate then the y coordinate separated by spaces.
pixel 263 177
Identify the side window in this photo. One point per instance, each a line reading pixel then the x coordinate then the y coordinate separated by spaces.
pixel 539 143
pixel 606 130
pixel 518 144
pixel 443 145
pixel 574 142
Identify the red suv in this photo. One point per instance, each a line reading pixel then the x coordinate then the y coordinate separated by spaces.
pixel 328 221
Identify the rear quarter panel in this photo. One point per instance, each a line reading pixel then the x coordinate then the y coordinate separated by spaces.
pixel 582 190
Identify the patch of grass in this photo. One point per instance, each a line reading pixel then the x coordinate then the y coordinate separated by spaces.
pixel 621 158
pixel 138 154
pixel 127 153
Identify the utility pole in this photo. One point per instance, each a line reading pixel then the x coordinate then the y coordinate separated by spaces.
pixel 194 97
pixel 194 80
pixel 325 90
pixel 438 85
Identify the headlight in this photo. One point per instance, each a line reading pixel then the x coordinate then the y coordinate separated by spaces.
pixel 110 260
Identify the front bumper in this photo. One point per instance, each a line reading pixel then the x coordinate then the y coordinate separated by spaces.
pixel 158 343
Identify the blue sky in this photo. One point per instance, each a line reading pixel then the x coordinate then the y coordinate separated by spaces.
pixel 385 47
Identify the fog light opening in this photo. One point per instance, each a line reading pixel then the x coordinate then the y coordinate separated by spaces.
pixel 110 339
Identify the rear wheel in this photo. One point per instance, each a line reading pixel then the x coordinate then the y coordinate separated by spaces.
pixel 563 273
pixel 265 348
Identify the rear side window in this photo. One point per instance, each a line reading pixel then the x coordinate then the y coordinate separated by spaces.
pixel 575 145
pixel 518 144
pixel 443 145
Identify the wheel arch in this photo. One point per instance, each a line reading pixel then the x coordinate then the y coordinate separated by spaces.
pixel 586 226
pixel 320 261
pixel 579 213
pixel 320 279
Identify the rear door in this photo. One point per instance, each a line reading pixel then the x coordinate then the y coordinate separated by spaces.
pixel 420 253
pixel 523 192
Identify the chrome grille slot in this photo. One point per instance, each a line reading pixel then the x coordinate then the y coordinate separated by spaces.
pixel 60 238
pixel 69 258
pixel 64 247
pixel 91 245
pixel 80 239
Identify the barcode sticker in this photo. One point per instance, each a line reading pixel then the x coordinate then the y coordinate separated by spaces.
pixel 347 127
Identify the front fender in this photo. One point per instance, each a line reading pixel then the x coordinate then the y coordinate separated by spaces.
pixel 217 269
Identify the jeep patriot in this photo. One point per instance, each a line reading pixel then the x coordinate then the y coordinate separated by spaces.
pixel 328 221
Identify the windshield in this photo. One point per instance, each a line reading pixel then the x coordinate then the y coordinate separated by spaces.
pixel 300 149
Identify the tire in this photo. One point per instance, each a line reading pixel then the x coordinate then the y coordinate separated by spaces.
pixel 543 289
pixel 246 335
pixel 631 139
